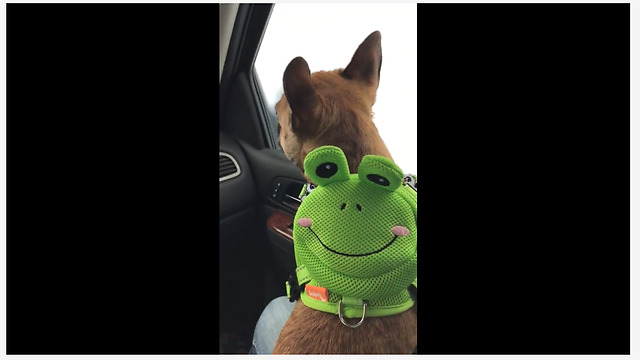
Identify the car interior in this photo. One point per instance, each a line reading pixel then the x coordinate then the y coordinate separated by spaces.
pixel 259 185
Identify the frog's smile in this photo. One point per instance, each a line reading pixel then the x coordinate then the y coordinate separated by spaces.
pixel 396 230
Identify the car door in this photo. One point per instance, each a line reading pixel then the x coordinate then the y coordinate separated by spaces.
pixel 258 184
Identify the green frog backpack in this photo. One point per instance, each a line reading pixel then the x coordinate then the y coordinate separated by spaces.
pixel 355 238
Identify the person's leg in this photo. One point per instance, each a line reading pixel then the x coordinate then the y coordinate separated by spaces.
pixel 269 325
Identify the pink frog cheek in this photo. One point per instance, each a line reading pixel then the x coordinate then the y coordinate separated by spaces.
pixel 400 231
pixel 304 222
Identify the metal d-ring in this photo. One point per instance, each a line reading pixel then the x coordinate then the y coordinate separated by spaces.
pixel 364 312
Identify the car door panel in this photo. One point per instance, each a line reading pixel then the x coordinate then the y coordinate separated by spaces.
pixel 279 183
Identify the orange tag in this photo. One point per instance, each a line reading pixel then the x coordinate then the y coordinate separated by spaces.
pixel 317 292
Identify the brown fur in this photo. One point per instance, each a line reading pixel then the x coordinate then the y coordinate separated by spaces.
pixel 310 331
pixel 335 108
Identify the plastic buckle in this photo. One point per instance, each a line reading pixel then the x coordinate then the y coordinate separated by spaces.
pixel 293 289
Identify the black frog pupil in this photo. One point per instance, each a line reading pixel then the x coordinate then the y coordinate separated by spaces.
pixel 326 170
pixel 380 180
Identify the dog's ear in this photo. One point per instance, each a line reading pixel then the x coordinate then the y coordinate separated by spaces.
pixel 366 63
pixel 302 97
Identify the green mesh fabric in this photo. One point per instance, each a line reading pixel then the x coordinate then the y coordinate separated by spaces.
pixel 349 247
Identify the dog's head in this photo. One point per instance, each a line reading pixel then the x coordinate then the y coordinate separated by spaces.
pixel 332 107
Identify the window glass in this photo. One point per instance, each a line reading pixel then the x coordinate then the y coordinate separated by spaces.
pixel 326 36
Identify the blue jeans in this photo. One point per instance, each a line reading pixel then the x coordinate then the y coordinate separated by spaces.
pixel 269 325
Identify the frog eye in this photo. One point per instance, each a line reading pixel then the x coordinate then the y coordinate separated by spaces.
pixel 380 172
pixel 325 165
pixel 378 179
pixel 326 170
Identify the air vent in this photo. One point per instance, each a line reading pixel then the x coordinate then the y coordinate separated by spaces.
pixel 228 167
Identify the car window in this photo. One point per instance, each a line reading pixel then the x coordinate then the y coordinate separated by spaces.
pixel 327 35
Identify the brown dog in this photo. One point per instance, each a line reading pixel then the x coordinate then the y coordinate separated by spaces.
pixel 335 108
